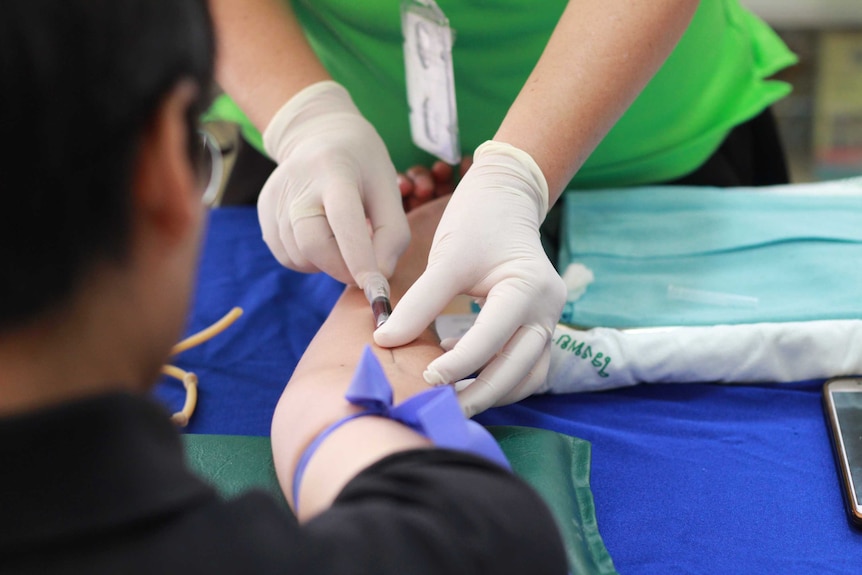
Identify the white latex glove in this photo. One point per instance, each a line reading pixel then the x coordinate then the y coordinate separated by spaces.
pixel 487 245
pixel 333 172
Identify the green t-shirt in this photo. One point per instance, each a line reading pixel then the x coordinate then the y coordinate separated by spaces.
pixel 716 78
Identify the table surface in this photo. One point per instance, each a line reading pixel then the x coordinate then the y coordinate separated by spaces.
pixel 687 478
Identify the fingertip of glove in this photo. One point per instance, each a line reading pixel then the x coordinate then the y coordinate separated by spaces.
pixel 387 265
pixel 467 407
pixel 381 336
pixel 433 377
pixel 388 336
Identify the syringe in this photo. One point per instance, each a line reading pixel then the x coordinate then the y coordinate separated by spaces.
pixel 377 294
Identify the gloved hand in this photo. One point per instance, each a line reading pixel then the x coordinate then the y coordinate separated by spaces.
pixel 487 245
pixel 333 172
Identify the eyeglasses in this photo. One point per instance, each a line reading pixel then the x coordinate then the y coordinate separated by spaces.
pixel 210 167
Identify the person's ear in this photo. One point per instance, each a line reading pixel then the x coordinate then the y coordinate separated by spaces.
pixel 165 195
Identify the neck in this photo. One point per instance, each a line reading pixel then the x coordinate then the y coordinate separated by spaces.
pixel 93 345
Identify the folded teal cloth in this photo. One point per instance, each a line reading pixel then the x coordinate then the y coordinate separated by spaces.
pixel 705 256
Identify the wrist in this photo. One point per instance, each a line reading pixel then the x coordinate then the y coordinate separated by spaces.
pixel 494 152
pixel 318 99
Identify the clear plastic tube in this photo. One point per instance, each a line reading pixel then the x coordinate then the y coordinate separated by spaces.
pixel 711 297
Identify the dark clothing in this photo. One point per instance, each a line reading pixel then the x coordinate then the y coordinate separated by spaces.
pixel 750 155
pixel 247 177
pixel 101 486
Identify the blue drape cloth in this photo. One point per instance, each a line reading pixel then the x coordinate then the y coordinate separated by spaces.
pixel 698 478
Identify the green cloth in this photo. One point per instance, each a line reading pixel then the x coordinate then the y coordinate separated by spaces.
pixel 715 79
pixel 556 465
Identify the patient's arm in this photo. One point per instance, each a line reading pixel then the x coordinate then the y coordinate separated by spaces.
pixel 314 396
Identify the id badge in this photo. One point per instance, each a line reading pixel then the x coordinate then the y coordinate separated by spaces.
pixel 430 79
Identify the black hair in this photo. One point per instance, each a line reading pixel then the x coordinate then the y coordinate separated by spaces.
pixel 79 82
